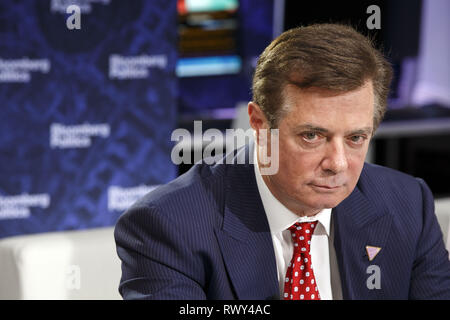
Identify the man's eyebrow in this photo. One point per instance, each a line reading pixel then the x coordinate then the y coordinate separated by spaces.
pixel 311 127
pixel 307 126
pixel 365 130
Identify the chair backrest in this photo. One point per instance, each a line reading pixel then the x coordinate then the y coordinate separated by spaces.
pixel 60 265
pixel 442 208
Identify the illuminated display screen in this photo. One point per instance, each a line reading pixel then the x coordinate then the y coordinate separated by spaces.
pixel 208 33
pixel 219 42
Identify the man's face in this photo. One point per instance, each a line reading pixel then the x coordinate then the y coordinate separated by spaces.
pixel 323 141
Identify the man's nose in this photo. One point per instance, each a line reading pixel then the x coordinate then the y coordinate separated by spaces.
pixel 335 159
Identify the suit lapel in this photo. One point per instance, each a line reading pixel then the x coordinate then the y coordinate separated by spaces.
pixel 245 239
pixel 358 223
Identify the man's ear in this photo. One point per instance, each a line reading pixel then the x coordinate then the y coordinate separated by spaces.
pixel 257 121
pixel 256 116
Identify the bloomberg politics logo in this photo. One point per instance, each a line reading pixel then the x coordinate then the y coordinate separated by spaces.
pixel 76 136
pixel 120 199
pixel 18 206
pixel 85 6
pixel 134 67
pixel 19 70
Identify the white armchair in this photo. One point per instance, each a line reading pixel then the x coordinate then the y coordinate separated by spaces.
pixel 442 208
pixel 60 265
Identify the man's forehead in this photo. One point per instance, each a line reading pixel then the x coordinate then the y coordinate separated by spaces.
pixel 293 89
pixel 328 111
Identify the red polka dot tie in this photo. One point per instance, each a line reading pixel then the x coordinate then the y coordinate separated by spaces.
pixel 300 283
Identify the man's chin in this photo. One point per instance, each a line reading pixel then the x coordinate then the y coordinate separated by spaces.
pixel 326 202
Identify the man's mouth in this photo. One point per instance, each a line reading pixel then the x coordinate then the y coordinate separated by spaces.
pixel 326 186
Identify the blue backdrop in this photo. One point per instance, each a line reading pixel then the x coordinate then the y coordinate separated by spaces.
pixel 86 115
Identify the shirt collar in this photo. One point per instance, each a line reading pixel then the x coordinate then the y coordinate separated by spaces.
pixel 279 217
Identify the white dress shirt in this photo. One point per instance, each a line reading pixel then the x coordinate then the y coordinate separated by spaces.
pixel 280 219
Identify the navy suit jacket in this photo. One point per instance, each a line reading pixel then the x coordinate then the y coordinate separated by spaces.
pixel 205 235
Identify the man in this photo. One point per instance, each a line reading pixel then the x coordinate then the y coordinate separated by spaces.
pixel 325 225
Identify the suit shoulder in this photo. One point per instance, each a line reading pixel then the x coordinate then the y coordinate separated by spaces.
pixel 376 169
pixel 186 197
pixel 385 185
pixel 376 174
pixel 389 187
pixel 198 180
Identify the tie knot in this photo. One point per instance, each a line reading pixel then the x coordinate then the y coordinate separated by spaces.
pixel 301 235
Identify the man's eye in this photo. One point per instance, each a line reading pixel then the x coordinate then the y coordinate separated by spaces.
pixel 357 139
pixel 310 136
